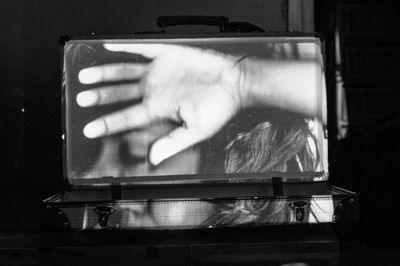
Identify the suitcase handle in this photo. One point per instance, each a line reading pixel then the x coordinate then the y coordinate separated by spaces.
pixel 219 21
pixel 167 21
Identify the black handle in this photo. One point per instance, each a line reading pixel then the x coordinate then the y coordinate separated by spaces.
pixel 219 21
pixel 167 21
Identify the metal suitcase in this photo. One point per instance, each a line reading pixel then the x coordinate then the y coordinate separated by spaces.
pixel 267 165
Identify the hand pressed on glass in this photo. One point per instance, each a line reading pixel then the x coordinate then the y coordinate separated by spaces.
pixel 199 89
pixel 196 88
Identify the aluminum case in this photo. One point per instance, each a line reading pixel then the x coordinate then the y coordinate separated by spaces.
pixel 98 199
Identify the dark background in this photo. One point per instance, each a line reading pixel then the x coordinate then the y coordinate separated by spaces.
pixel 31 79
pixel 366 162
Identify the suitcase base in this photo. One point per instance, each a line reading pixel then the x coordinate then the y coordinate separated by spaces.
pixel 191 207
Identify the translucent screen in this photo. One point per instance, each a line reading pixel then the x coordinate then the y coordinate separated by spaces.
pixel 145 108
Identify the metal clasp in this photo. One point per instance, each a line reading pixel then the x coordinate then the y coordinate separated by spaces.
pixel 103 213
pixel 300 207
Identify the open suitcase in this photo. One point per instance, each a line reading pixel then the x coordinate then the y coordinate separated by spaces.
pixel 266 165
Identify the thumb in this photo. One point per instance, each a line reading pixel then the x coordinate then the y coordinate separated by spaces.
pixel 176 141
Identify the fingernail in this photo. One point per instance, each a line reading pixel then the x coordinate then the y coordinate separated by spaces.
pixel 87 98
pixel 95 129
pixel 89 75
pixel 161 150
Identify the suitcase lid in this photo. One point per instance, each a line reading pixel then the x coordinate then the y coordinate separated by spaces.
pixel 126 99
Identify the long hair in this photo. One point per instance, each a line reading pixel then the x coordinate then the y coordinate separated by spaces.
pixel 270 147
pixel 264 148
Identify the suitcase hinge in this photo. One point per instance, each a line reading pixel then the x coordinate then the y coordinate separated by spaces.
pixel 300 207
pixel 103 213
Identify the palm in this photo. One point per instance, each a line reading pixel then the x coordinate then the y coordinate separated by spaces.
pixel 189 93
pixel 182 84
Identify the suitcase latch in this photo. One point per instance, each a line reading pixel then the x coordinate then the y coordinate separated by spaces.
pixel 103 212
pixel 299 207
